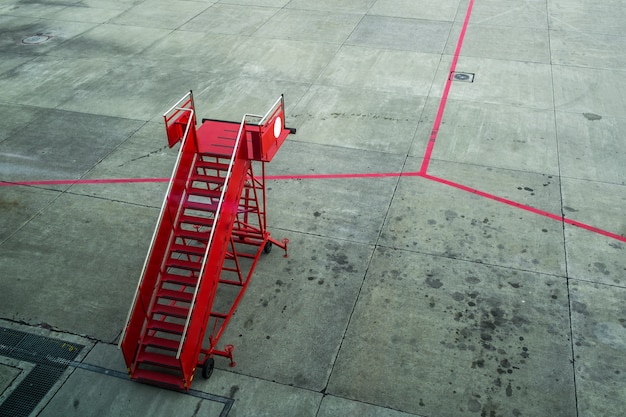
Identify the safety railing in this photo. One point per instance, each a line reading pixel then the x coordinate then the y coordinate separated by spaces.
pixel 169 115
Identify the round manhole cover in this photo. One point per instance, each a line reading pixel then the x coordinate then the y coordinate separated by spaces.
pixel 36 39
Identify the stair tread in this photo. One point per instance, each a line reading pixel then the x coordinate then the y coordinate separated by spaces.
pixel 188 249
pixel 158 359
pixel 208 207
pixel 164 326
pixel 204 192
pixel 170 310
pixel 192 234
pixel 175 295
pixel 200 221
pixel 213 179
pixel 183 264
pixel 179 279
pixel 159 378
pixel 219 166
pixel 161 342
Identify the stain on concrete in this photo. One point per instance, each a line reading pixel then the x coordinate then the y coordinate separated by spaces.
pixel 433 282
pixel 592 116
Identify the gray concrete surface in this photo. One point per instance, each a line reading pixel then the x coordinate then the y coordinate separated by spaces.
pixel 491 285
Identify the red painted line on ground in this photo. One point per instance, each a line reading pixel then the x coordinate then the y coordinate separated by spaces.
pixel 333 176
pixel 446 90
pixel 530 209
pixel 86 181
pixel 443 181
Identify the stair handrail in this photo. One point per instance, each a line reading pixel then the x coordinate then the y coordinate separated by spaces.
pixel 240 133
pixel 175 107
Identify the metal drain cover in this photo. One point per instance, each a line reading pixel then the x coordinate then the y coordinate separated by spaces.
pixel 466 77
pixel 36 39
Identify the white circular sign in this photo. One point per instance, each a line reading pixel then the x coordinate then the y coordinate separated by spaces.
pixel 278 127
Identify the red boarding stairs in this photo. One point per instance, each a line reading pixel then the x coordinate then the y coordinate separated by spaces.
pixel 210 235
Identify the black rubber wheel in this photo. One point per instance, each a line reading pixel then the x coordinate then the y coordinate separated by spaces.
pixel 268 247
pixel 207 368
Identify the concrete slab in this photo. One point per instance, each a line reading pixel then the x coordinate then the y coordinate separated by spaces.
pixel 145 155
pixel 320 26
pixel 492 41
pixel 280 59
pixel 595 258
pixel 53 33
pixel 477 335
pixel 589 90
pixel 90 394
pixel 511 13
pixel 587 147
pixel 598 325
pixel 333 406
pixel 17 8
pixel 55 149
pixel 156 14
pixel 426 36
pixel 99 12
pixel 420 9
pixel 382 70
pixel 74 234
pixel 21 116
pixel 353 118
pixel 433 218
pixel 310 294
pixel 524 84
pixel 541 191
pixel 110 41
pixel 19 205
pixel 262 3
pixel 588 49
pixel 230 19
pixel 228 98
pixel 10 61
pixel 574 16
pixel 99 387
pixel 211 54
pixel 325 206
pixel 346 6
pixel 49 81
pixel 149 93
pixel 498 136
pixel 257 397
pixel 8 375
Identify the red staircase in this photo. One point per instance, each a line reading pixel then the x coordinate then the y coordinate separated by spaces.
pixel 209 238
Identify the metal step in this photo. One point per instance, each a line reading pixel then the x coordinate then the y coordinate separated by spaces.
pixel 180 280
pixel 158 359
pixel 183 264
pixel 159 378
pixel 201 163
pixel 161 343
pixel 175 295
pixel 188 249
pixel 169 310
pixel 204 192
pixel 163 326
pixel 196 221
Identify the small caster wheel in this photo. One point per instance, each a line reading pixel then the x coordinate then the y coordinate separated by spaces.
pixel 207 368
pixel 268 247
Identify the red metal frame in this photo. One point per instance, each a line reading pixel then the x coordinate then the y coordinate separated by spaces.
pixel 207 243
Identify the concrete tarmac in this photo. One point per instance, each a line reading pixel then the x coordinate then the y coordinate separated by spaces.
pixel 454 198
